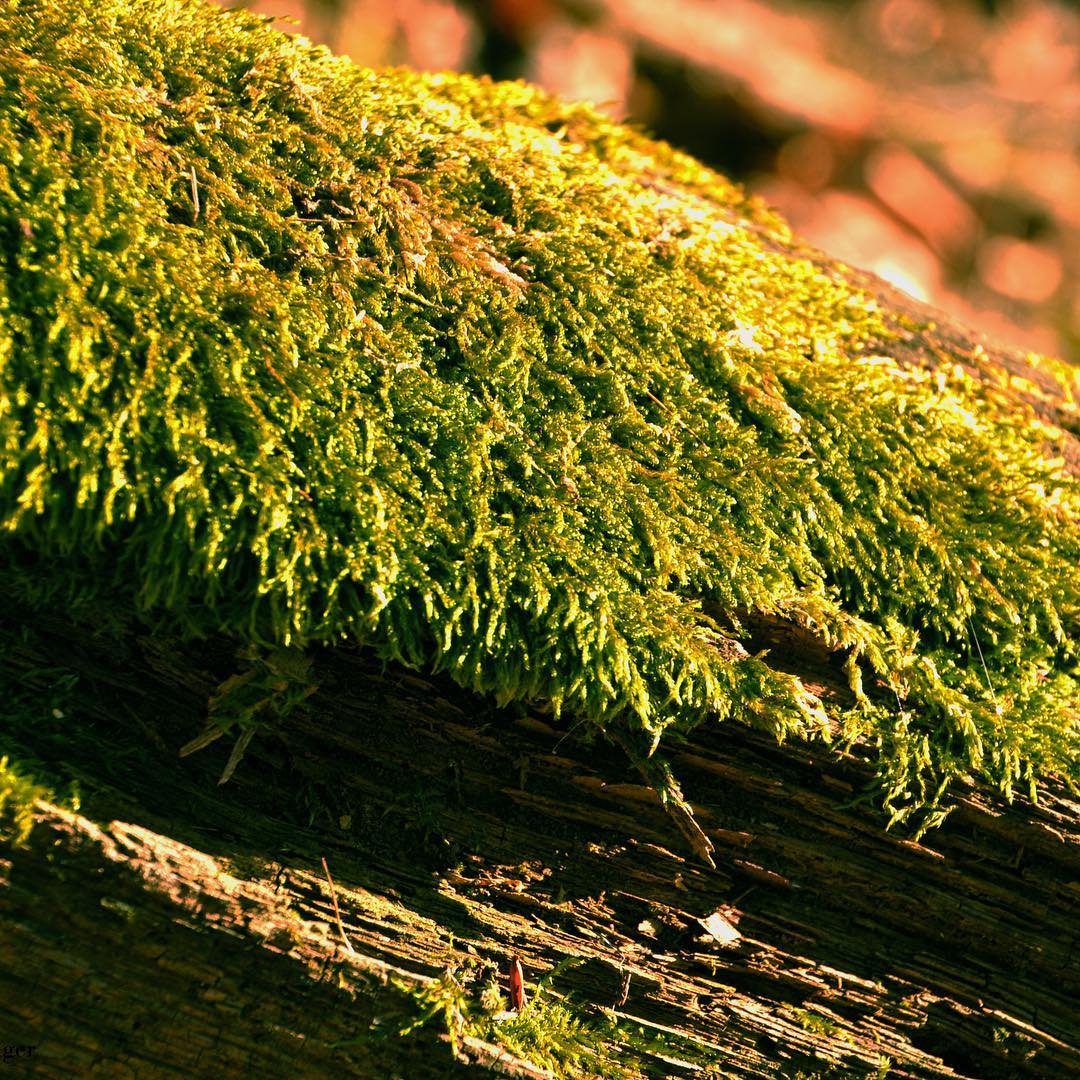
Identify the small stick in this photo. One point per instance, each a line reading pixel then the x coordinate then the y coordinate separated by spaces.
pixel 195 192
pixel 337 912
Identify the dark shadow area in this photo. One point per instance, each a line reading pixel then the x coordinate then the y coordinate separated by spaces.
pixel 470 827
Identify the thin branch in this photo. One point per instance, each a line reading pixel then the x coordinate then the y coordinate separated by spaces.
pixel 337 910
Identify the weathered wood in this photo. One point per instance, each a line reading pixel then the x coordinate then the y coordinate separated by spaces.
pixel 193 931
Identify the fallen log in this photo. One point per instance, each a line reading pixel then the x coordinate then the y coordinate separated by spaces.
pixel 193 929
pixel 445 534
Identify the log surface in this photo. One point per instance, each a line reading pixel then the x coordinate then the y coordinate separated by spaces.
pixel 191 930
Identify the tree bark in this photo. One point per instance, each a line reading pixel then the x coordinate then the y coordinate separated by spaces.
pixel 178 927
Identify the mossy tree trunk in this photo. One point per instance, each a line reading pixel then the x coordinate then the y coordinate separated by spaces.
pixel 194 202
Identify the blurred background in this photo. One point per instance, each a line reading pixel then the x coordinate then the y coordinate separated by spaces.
pixel 935 142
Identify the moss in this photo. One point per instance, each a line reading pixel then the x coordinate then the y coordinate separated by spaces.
pixel 304 353
pixel 550 1031
pixel 267 691
pixel 815 1022
pixel 553 1034
pixel 18 795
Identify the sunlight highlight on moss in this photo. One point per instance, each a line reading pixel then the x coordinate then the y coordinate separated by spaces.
pixel 301 352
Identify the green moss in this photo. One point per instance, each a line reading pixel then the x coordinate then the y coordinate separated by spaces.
pixel 301 353
pixel 267 690
pixel 18 796
pixel 554 1035
pixel 815 1022
pixel 551 1032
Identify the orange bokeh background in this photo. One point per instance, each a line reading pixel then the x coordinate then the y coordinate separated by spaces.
pixel 931 141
